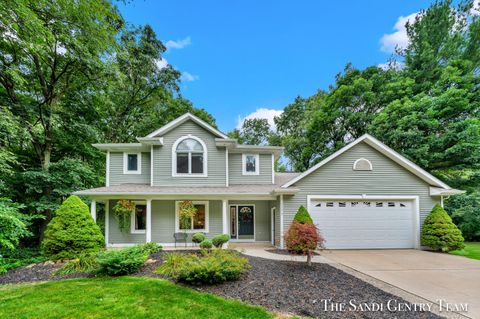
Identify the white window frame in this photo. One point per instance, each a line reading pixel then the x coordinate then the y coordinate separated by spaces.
pixel 370 167
pixel 132 219
pixel 244 164
pixel 174 158
pixel 125 163
pixel 177 218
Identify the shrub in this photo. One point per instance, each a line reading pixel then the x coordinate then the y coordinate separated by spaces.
pixel 211 267
pixel 10 259
pixel 303 239
pixel 219 240
pixel 13 224
pixel 198 237
pixel 440 233
pixel 83 263
pixel 150 248
pixel 121 262
pixel 302 216
pixel 465 212
pixel 72 231
pixel 206 244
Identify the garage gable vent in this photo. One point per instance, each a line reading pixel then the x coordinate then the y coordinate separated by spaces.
pixel 362 164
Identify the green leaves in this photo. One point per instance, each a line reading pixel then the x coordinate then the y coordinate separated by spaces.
pixel 439 232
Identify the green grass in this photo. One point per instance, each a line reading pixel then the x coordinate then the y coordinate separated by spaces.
pixel 471 250
pixel 121 297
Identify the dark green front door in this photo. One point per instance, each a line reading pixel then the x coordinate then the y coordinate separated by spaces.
pixel 245 219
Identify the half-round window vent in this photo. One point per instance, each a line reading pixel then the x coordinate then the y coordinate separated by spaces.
pixel 362 164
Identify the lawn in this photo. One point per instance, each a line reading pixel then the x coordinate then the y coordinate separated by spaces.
pixel 471 250
pixel 121 297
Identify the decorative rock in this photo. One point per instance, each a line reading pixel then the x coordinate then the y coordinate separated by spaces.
pixel 150 261
pixel 30 266
pixel 49 262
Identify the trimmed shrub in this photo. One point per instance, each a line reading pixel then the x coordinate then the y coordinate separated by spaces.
pixel 206 244
pixel 121 262
pixel 198 238
pixel 72 231
pixel 211 267
pixel 303 239
pixel 302 216
pixel 219 240
pixel 440 233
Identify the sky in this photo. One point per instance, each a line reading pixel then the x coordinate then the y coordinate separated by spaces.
pixel 244 59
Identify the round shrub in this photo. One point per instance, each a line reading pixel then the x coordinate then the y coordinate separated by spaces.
pixel 72 231
pixel 198 238
pixel 219 240
pixel 303 239
pixel 440 233
pixel 121 262
pixel 206 244
pixel 150 248
pixel 302 216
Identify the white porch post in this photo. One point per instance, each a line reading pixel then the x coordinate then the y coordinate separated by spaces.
pixel 93 210
pixel 281 222
pixel 107 221
pixel 224 216
pixel 148 231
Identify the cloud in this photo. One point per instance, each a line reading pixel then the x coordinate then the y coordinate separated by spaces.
pixel 179 44
pixel 188 77
pixel 161 63
pixel 398 38
pixel 475 11
pixel 261 113
pixel 391 65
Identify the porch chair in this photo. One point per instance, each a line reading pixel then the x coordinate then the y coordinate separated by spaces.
pixel 180 237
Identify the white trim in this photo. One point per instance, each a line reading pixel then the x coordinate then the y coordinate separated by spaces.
pixel 151 166
pixel 282 245
pixel 174 158
pixel 273 212
pixel 225 220
pixel 93 210
pixel 148 235
pixel 273 169
pixel 182 119
pixel 125 163
pixel 107 175
pixel 257 164
pixel 370 167
pixel 132 219
pixel 385 150
pixel 107 222
pixel 227 177
pixel 416 206
pixel 207 220
pixel 254 222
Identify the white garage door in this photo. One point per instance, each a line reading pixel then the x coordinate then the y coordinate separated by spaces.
pixel 364 224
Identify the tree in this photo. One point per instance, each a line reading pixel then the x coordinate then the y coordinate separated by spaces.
pixel 303 239
pixel 13 224
pixel 439 232
pixel 253 132
pixel 72 231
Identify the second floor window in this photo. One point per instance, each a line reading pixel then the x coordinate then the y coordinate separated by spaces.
pixel 250 164
pixel 189 157
pixel 131 163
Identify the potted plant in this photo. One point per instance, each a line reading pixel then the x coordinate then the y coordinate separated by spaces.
pixel 122 211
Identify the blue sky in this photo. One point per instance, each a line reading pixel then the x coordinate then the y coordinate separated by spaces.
pixel 250 58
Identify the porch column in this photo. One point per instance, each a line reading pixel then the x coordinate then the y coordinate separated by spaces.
pixel 224 216
pixel 148 230
pixel 107 221
pixel 93 210
pixel 281 223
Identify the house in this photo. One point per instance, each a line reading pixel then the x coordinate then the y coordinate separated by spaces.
pixel 363 196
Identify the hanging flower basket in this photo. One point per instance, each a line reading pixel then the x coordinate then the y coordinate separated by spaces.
pixel 122 212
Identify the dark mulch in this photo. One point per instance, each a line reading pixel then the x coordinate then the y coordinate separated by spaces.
pixel 285 252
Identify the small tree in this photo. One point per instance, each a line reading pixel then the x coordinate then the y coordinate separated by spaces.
pixel 303 239
pixel 13 224
pixel 440 233
pixel 302 216
pixel 72 231
pixel 186 211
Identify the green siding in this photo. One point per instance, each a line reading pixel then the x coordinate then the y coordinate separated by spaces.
pixel 337 177
pixel 116 170
pixel 262 217
pixel 235 170
pixel 118 237
pixel 162 159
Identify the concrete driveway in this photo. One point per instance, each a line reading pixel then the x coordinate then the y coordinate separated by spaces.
pixel 432 276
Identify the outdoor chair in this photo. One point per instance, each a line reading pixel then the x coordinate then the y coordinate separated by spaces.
pixel 180 237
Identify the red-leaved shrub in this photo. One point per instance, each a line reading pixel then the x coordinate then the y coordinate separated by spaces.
pixel 303 239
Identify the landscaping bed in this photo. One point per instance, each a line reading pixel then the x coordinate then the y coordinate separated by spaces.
pixel 286 252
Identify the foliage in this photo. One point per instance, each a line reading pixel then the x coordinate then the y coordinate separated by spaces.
pixel 72 231
pixel 302 216
pixel 471 250
pixel 121 297
pixel 253 132
pixel 220 239
pixel 465 212
pixel 121 262
pixel 303 239
pixel 206 244
pixel 439 232
pixel 13 224
pixel 186 211
pixel 83 263
pixel 198 237
pixel 211 267
pixel 10 259
pixel 122 211
pixel 150 248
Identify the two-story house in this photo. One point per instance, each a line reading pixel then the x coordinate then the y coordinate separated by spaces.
pixel 363 196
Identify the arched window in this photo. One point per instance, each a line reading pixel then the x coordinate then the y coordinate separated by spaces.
pixel 189 156
pixel 362 164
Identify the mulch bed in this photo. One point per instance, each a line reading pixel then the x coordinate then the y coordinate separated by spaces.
pixel 286 252
pixel 282 286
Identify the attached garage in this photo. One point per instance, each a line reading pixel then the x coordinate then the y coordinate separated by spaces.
pixel 365 223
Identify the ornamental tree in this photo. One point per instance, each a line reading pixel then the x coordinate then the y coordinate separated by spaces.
pixel 440 233
pixel 303 239
pixel 302 216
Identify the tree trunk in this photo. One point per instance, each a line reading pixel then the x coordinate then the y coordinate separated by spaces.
pixel 45 160
pixel 309 258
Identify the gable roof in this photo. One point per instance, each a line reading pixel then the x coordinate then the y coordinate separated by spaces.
pixel 385 150
pixel 182 119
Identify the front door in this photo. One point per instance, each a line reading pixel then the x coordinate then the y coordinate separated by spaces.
pixel 245 221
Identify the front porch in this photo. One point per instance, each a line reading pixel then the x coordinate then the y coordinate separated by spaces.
pixel 157 220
